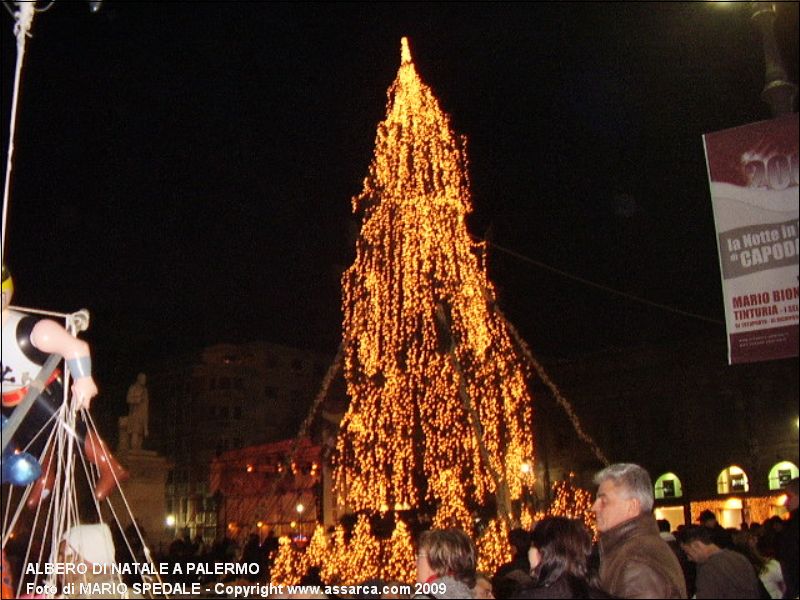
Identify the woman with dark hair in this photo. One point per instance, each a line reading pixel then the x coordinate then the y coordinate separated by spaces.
pixel 559 556
pixel 768 569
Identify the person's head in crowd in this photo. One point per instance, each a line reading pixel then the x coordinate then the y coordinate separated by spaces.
pixel 560 547
pixel 520 541
pixel 775 521
pixel 312 576
pixel 697 541
pixel 707 519
pixel 744 542
pixel 446 552
pixel 765 544
pixel 483 587
pixel 625 492
pixel 664 526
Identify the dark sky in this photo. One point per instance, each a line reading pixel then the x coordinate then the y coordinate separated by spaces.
pixel 184 170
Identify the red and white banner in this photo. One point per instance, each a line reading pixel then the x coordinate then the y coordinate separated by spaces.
pixel 753 173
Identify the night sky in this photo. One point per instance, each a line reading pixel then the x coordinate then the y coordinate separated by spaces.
pixel 184 170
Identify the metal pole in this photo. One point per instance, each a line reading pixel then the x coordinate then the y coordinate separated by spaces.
pixel 779 93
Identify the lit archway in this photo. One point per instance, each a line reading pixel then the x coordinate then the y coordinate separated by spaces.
pixel 781 474
pixel 668 486
pixel 732 480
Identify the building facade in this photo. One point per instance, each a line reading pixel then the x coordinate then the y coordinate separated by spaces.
pixel 269 489
pixel 225 398
pixel 712 435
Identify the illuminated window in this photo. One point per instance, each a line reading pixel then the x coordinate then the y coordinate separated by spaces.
pixel 781 474
pixel 668 486
pixel 732 480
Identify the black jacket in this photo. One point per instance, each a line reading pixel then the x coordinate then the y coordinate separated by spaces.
pixel 561 588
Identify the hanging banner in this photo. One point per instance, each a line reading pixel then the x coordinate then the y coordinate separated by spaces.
pixel 753 175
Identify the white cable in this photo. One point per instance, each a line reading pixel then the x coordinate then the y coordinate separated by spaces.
pixel 90 425
pixel 24 18
pixel 36 311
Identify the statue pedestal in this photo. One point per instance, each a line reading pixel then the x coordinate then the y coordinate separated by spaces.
pixel 145 492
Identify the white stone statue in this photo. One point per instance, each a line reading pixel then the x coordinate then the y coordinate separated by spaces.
pixel 137 421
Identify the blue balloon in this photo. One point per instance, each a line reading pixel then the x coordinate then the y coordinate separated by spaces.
pixel 21 469
pixel 18 468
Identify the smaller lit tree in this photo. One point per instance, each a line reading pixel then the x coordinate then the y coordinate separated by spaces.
pixel 399 553
pixel 287 567
pixel 493 549
pixel 364 556
pixel 335 566
pixel 316 553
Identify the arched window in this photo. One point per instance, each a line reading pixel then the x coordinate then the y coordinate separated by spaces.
pixel 732 480
pixel 781 474
pixel 668 486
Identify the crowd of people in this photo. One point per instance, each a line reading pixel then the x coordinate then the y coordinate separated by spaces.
pixel 634 556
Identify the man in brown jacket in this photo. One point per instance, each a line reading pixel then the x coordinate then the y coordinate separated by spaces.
pixel 634 561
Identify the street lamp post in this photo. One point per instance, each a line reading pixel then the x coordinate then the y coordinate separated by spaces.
pixel 779 93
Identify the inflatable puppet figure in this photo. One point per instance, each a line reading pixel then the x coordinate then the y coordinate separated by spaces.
pixel 27 342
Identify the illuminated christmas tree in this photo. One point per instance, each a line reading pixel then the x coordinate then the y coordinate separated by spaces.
pixel 336 565
pixel 399 562
pixel 287 568
pixel 440 413
pixel 493 549
pixel 364 553
pixel 317 550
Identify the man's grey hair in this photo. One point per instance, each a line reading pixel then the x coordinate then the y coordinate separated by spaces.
pixel 634 479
